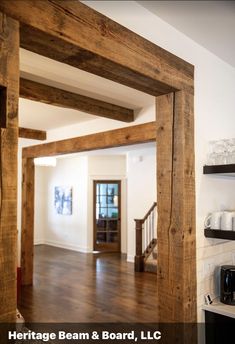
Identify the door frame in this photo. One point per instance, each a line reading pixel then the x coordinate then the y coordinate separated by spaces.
pixel 96 181
pixel 110 50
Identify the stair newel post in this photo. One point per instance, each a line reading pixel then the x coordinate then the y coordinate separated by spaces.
pixel 139 258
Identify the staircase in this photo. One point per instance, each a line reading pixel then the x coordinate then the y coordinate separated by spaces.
pixel 146 242
pixel 150 264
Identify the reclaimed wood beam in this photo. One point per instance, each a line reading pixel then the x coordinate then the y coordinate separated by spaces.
pixel 27 221
pixel 176 230
pixel 72 33
pixel 165 110
pixel 9 93
pixel 183 226
pixel 54 96
pixel 108 139
pixel 103 47
pixel 33 134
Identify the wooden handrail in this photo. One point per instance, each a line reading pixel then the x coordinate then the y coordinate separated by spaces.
pixel 150 210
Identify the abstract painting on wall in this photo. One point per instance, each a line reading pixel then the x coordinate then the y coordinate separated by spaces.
pixel 63 200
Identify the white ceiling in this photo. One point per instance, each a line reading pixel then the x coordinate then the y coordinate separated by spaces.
pixel 41 116
pixel 209 23
pixel 44 117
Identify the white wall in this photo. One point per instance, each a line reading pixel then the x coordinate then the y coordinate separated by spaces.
pixel 141 176
pixel 146 114
pixel 74 231
pixel 214 118
pixel 138 190
pixel 67 231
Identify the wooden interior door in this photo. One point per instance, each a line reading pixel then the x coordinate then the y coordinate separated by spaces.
pixel 107 215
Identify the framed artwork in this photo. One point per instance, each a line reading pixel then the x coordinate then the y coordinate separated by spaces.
pixel 63 200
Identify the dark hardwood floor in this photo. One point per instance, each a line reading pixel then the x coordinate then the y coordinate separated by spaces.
pixel 77 287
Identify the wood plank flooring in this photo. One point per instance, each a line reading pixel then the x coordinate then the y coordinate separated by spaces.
pixel 77 287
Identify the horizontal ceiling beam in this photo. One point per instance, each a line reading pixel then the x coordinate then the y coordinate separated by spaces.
pixel 141 133
pixel 54 96
pixel 103 47
pixel 34 134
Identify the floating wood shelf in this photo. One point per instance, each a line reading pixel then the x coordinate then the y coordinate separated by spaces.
pixel 219 234
pixel 228 170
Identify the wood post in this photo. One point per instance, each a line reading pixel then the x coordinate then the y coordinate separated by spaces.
pixel 9 85
pixel 27 222
pixel 183 227
pixel 176 213
pixel 139 258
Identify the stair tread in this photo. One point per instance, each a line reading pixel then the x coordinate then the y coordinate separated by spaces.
pixel 151 265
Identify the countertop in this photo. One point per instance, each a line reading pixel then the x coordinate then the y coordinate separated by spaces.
pixel 220 308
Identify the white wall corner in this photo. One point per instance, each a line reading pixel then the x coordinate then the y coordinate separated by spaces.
pixel 130 258
pixel 39 242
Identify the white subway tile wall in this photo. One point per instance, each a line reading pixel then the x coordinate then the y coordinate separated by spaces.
pixel 211 254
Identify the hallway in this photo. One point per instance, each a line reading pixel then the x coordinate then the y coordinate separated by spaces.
pixel 75 287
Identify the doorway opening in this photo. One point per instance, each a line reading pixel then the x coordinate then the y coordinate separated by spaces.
pixel 57 260
pixel 152 70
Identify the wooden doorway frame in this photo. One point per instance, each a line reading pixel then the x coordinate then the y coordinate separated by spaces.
pixel 132 135
pixel 100 246
pixel 108 49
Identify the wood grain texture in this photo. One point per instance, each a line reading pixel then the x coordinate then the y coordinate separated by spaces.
pixel 33 134
pixel 76 287
pixel 183 211
pixel 164 115
pixel 54 96
pixel 176 214
pixel 27 221
pixel 102 47
pixel 113 138
pixel 9 78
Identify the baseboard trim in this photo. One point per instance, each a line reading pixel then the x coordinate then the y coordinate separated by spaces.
pixel 39 242
pixel 72 247
pixel 68 246
pixel 130 258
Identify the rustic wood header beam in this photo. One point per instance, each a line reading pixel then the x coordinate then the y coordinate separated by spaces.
pixel 108 139
pixel 34 134
pixel 102 47
pixel 54 96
